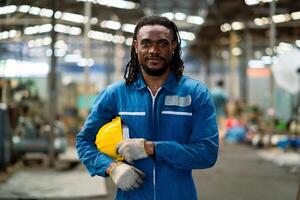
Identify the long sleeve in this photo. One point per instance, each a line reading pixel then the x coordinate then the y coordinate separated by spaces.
pixel 202 149
pixel 102 112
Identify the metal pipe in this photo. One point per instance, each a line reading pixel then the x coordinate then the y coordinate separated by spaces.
pixel 52 90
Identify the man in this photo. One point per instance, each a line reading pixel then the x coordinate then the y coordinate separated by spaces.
pixel 220 100
pixel 170 117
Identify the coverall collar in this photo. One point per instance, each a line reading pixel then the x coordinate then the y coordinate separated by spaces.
pixel 170 84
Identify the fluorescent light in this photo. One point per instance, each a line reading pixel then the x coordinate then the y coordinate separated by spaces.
pixel 24 8
pixel 195 20
pixel 118 4
pixel 74 30
pixel 128 28
pixel 60 44
pixel 47 41
pixel 251 2
pixel 168 15
pixel 180 16
pixel 73 17
pixel 186 35
pixel 281 18
pixel 128 41
pixel 8 9
pixel 94 20
pixel 45 28
pixel 46 12
pixel 225 27
pixel 97 35
pixel 34 11
pixel 110 24
pixel 118 39
pixel 295 15
pixel 237 25
pixel 58 15
pixel 115 3
pixel 254 2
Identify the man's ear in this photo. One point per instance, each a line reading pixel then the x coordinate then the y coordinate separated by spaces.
pixel 135 43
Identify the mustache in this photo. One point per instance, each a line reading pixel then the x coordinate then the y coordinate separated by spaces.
pixel 154 57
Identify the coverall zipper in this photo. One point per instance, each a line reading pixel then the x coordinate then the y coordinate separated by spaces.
pixel 153 114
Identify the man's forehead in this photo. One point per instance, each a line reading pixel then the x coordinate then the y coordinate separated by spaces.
pixel 154 31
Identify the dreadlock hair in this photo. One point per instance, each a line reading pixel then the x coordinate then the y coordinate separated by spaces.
pixel 133 68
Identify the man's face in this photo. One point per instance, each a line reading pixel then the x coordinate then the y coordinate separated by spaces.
pixel 154 47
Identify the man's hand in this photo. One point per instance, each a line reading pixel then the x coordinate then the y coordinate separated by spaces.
pixel 132 149
pixel 126 177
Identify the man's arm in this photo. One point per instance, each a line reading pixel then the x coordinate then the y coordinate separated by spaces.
pixel 95 161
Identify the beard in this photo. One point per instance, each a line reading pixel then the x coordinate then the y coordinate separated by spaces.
pixel 155 71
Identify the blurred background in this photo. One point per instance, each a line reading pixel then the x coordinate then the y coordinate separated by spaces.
pixel 56 56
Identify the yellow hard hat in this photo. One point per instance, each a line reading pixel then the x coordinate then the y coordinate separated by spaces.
pixel 109 135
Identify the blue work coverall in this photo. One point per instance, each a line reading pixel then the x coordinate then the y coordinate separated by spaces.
pixel 180 120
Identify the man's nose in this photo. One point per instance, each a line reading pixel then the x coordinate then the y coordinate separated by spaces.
pixel 154 48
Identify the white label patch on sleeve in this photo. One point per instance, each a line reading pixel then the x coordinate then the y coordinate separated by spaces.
pixel 178 101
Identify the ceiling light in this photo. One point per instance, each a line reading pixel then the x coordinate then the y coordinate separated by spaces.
pixel 24 8
pixel 251 2
pixel 58 15
pixel 128 28
pixel 186 35
pixel 45 28
pixel 118 39
pixel 94 20
pixel 262 21
pixel 180 16
pixel 34 11
pixel 73 17
pixel 168 15
pixel 8 9
pixel 281 18
pixel 111 24
pixel 195 20
pixel 74 30
pixel 115 3
pixel 295 15
pixel 237 25
pixel 225 27
pixel 128 41
pixel 46 12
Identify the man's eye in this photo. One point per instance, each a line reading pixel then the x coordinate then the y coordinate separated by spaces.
pixel 145 43
pixel 163 44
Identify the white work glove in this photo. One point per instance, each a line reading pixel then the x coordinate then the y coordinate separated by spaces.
pixel 126 177
pixel 132 149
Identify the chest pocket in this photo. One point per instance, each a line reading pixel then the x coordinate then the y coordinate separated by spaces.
pixel 176 123
pixel 135 118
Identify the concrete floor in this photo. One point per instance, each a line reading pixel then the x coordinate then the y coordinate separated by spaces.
pixel 239 174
